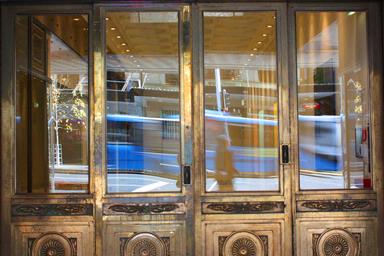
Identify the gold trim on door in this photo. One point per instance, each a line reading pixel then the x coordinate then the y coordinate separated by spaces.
pixel 287 221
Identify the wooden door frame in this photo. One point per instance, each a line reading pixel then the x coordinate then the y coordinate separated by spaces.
pixel 283 195
pixel 184 198
pixel 194 194
pixel 9 197
pixel 376 148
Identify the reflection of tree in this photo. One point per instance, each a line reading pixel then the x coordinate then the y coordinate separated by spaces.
pixel 68 111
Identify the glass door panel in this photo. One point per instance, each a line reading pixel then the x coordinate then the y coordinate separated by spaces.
pixel 333 100
pixel 146 209
pixel 52 103
pixel 143 106
pixel 241 101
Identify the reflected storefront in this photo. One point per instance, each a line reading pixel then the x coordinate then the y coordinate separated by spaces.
pixel 140 128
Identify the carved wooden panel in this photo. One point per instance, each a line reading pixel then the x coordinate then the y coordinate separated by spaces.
pixel 52 238
pixel 243 208
pixel 148 208
pixel 52 210
pixel 336 236
pixel 131 238
pixel 345 205
pixel 242 237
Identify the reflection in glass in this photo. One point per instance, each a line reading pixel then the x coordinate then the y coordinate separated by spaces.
pixel 52 103
pixel 241 101
pixel 333 95
pixel 143 117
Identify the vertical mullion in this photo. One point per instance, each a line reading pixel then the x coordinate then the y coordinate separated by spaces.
pixel 29 106
pixel 293 117
pixel 98 127
pixel 186 119
pixel 284 125
pixel 198 124
pixel 8 131
pixel 375 40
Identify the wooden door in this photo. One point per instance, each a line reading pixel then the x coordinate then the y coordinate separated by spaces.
pixel 192 129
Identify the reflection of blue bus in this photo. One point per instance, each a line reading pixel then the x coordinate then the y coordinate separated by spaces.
pixel 132 145
pixel 320 144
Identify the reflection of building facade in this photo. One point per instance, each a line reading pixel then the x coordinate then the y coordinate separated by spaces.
pixel 144 128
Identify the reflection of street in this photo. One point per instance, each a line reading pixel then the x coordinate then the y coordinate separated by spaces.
pixel 76 176
pixel 146 183
pixel 317 180
pixel 308 181
pixel 247 184
pixel 121 182
pixel 139 183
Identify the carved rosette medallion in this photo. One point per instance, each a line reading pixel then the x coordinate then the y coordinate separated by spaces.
pixel 52 244
pixel 243 244
pixel 145 244
pixel 337 242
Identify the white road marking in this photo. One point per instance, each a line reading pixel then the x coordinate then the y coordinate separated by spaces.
pixel 212 186
pixel 151 187
pixel 171 165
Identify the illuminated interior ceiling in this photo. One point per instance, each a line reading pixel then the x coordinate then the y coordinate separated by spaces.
pixel 240 40
pixel 234 32
pixel 239 32
pixel 151 40
pixel 142 34
pixel 138 41
pixel 149 34
pixel 71 29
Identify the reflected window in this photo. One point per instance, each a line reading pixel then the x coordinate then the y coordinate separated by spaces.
pixel 333 100
pixel 143 116
pixel 52 103
pixel 241 101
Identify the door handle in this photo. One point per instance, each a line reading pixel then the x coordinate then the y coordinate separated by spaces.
pixel 187 174
pixel 285 154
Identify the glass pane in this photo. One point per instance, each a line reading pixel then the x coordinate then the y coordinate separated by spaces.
pixel 333 100
pixel 143 117
pixel 241 101
pixel 52 103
